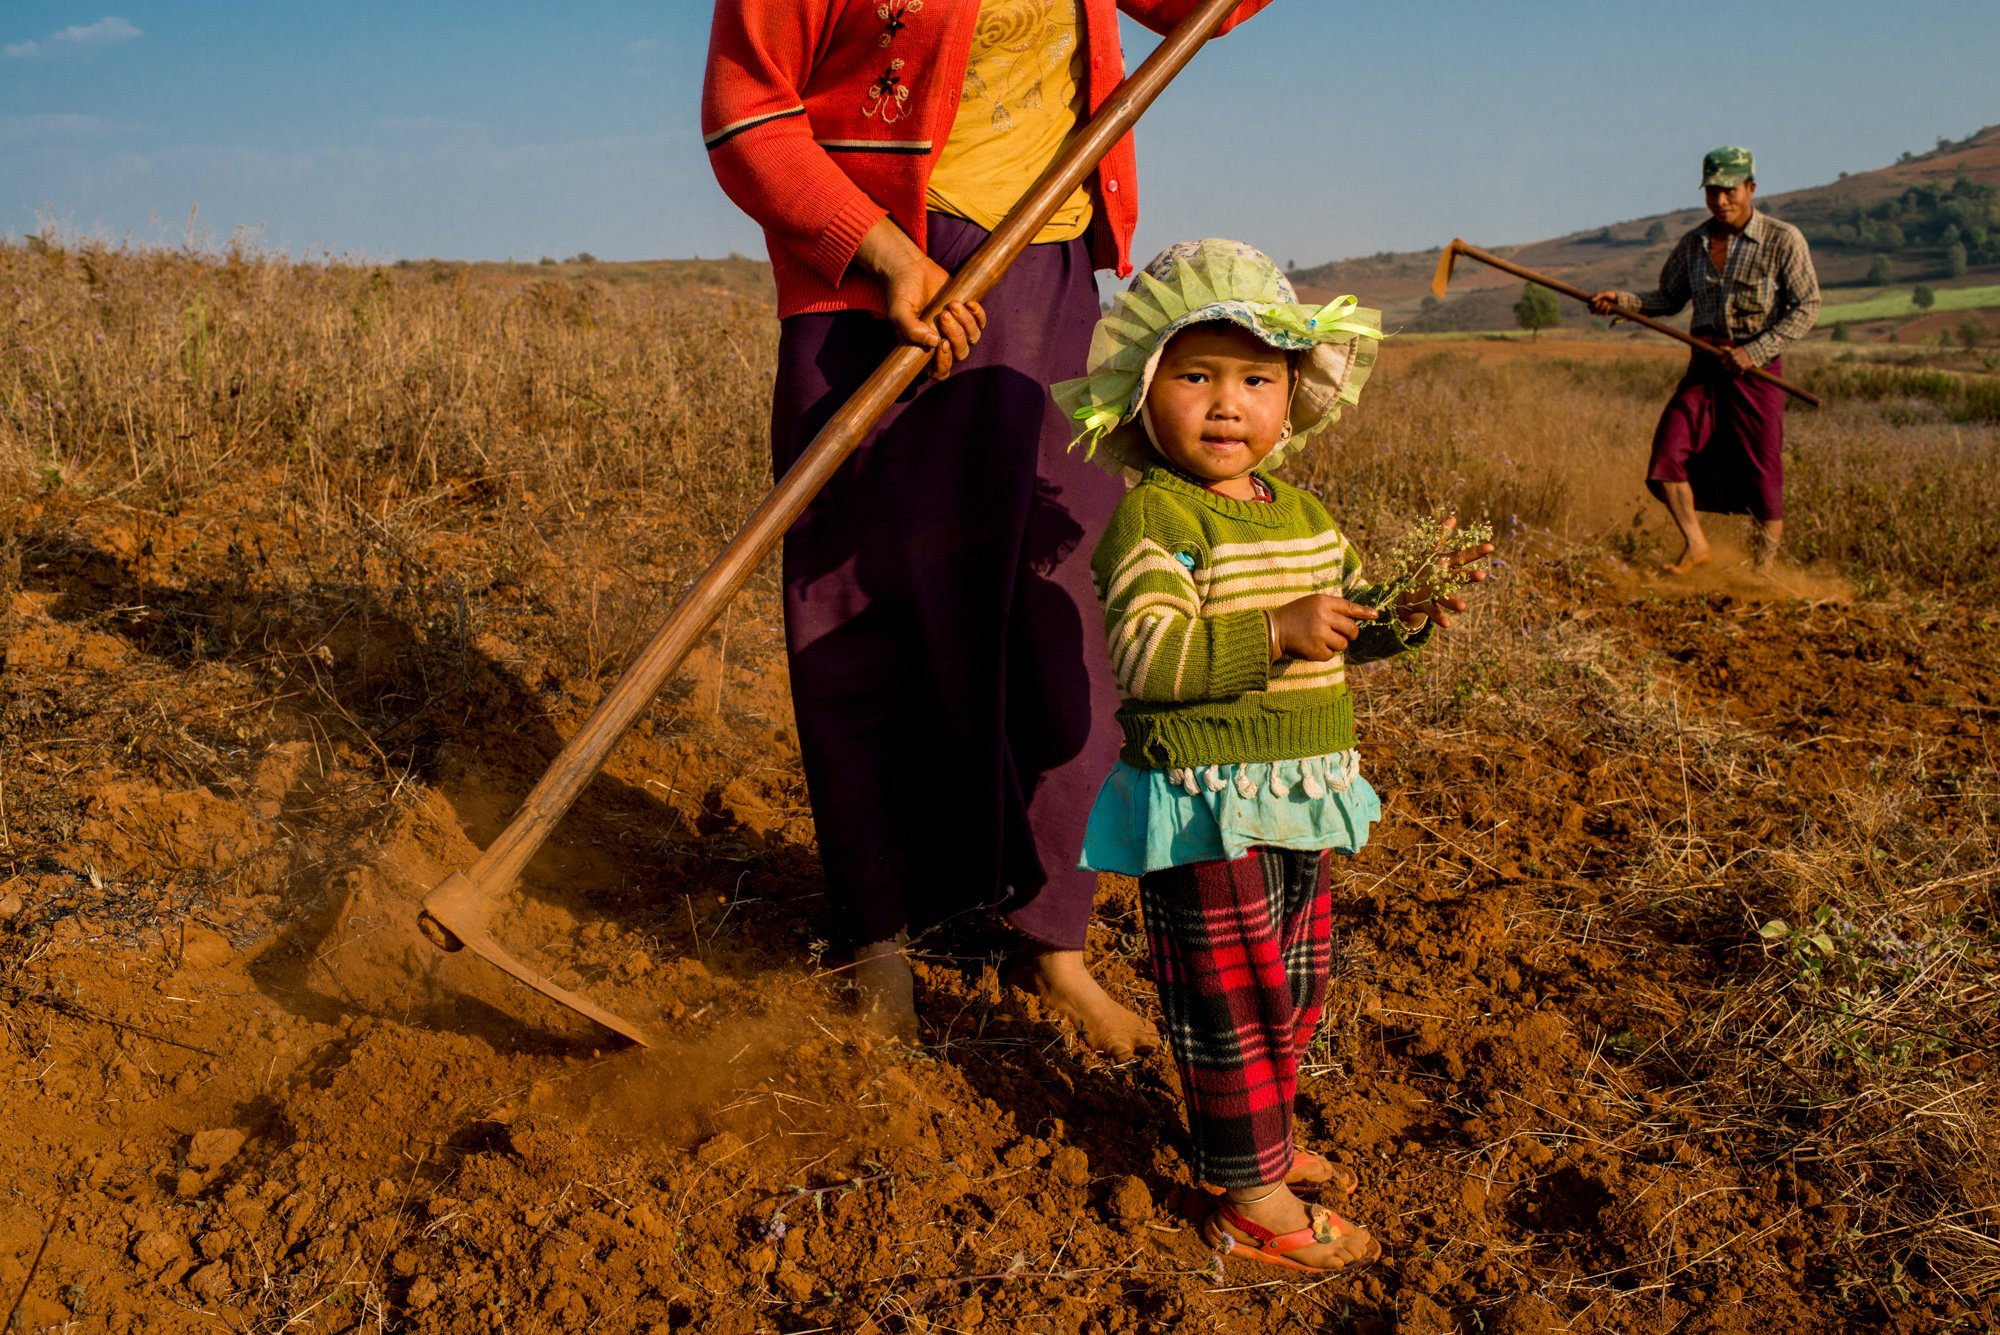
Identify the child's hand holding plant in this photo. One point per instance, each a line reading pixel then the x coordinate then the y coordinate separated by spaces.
pixel 1430 570
pixel 1316 627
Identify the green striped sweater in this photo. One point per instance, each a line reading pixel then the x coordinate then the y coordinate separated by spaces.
pixel 1185 576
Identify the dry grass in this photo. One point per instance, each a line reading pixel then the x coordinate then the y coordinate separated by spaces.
pixel 1892 487
pixel 448 441
pixel 1836 1009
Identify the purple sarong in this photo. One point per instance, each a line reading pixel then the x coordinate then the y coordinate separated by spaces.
pixel 954 702
pixel 1723 435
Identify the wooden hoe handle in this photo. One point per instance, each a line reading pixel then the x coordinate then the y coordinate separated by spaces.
pixel 1473 252
pixel 455 912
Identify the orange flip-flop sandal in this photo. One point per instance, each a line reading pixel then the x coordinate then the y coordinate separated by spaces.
pixel 1323 1226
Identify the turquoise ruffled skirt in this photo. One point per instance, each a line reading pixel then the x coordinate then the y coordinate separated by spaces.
pixel 1145 820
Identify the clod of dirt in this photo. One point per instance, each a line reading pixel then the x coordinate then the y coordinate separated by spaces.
pixel 792 1283
pixel 423 1292
pixel 1421 1316
pixel 157 1250
pixel 210 1150
pixel 1129 1202
pixel 1070 1165
pixel 10 906
pixel 211 1282
pixel 1526 1315
pixel 203 949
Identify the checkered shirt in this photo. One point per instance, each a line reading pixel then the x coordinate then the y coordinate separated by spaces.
pixel 1766 296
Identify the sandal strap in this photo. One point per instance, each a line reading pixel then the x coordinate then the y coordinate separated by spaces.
pixel 1322 1225
pixel 1237 1219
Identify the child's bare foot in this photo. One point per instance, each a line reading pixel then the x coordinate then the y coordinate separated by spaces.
pixel 1312 1169
pixel 1281 1229
pixel 888 988
pixel 1689 559
pixel 1059 980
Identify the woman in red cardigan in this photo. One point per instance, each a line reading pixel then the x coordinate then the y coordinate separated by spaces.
pixel 953 707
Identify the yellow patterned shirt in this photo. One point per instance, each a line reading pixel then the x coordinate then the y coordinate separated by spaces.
pixel 1022 99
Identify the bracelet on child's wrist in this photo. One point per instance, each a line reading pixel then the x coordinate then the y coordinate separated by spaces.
pixel 1271 635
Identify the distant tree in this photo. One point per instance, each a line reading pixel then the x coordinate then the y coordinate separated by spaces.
pixel 546 259
pixel 1841 333
pixel 1954 260
pixel 1537 310
pixel 1429 303
pixel 1291 266
pixel 1657 232
pixel 1922 297
pixel 1881 273
pixel 1972 331
pixel 1604 236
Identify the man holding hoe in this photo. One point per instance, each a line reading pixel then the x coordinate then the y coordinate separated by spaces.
pixel 1720 443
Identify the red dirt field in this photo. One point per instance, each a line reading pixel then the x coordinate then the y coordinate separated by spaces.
pixel 245 1089
pixel 244 1094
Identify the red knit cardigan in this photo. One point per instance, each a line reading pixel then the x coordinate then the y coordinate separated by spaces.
pixel 822 116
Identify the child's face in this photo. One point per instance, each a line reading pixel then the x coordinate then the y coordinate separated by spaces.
pixel 1218 401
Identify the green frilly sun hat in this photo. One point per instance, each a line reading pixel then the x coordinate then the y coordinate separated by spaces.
pixel 1198 281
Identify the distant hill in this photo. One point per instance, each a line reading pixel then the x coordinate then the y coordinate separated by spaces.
pixel 1913 212
pixel 737 275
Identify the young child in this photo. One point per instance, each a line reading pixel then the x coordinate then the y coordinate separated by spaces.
pixel 1232 604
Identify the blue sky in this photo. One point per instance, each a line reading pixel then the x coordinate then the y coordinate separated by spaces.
pixel 484 131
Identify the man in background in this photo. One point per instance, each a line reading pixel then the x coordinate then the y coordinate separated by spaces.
pixel 1720 444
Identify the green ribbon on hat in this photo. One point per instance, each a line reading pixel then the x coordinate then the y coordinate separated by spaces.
pixel 1096 419
pixel 1323 324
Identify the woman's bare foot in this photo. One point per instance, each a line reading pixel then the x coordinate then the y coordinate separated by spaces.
pixel 1690 558
pixel 1059 980
pixel 888 988
pixel 1340 1244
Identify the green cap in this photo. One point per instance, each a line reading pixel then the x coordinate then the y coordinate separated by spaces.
pixel 1728 166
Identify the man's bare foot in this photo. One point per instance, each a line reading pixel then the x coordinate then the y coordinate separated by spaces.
pixel 1059 980
pixel 1341 1244
pixel 888 988
pixel 1763 551
pixel 1689 559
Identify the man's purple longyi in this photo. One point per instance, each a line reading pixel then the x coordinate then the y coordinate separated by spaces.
pixel 1723 435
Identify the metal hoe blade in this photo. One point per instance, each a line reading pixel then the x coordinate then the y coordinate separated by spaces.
pixel 1446 261
pixel 454 918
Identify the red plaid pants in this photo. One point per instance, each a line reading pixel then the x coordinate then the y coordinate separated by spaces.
pixel 1240 957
